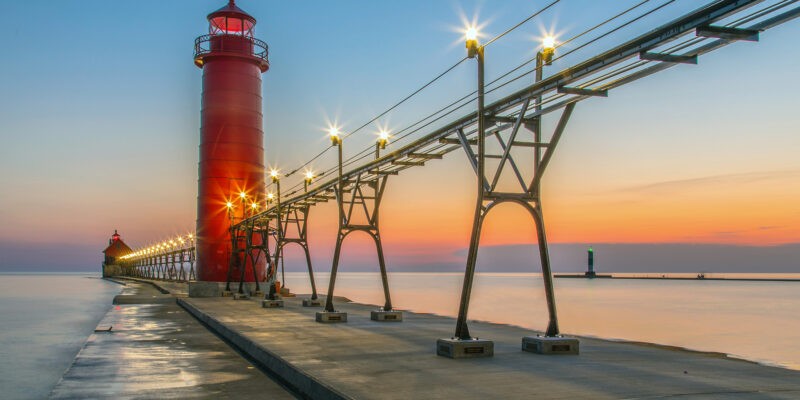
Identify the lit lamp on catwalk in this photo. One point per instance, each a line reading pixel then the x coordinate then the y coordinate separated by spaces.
pixel 231 139
pixel 368 195
pixel 489 194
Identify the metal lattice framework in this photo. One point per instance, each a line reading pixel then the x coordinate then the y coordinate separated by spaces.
pixel 498 141
pixel 173 263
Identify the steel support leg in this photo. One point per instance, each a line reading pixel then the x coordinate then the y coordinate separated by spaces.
pixel 462 331
pixel 384 278
pixel 310 273
pixel 334 268
pixel 547 275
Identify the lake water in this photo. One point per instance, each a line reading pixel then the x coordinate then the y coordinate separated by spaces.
pixel 44 322
pixel 757 321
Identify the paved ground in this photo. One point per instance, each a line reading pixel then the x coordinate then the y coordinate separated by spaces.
pixel 363 359
pixel 159 351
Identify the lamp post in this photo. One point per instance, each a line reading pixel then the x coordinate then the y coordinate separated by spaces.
pixel 307 181
pixel 474 50
pixel 336 140
pixel 543 57
pixel 276 179
pixel 380 144
pixel 243 198
pixel 229 207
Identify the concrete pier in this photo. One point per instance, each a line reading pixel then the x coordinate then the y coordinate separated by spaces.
pixel 155 350
pixel 365 359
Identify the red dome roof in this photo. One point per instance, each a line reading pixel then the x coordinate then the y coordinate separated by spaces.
pixel 231 11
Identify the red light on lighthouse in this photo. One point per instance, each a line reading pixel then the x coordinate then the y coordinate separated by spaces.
pixel 231 136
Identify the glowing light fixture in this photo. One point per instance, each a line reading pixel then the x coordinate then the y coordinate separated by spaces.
pixel 274 175
pixel 472 33
pixel 309 176
pixel 243 195
pixel 472 42
pixel 383 138
pixel 548 49
pixel 333 132
pixel 229 204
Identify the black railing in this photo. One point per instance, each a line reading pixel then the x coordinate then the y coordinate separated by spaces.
pixel 231 44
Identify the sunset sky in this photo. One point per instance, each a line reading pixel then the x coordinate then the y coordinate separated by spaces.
pixel 100 113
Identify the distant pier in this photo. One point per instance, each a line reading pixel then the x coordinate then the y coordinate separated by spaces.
pixel 699 277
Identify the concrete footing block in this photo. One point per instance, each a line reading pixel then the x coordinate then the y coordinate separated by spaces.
pixel 241 296
pixel 312 303
pixel 551 345
pixel 331 316
pixel 204 289
pixel 386 316
pixel 464 348
pixel 267 303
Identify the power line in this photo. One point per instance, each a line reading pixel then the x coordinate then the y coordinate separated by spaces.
pixel 423 87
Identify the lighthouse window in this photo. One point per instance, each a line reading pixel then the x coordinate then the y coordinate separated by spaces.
pixel 231 26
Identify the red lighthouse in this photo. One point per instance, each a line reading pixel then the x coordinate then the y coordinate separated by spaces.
pixel 231 170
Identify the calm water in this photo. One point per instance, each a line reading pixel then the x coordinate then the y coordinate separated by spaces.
pixel 45 321
pixel 758 321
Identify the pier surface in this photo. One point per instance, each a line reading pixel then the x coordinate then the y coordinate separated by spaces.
pixel 364 359
pixel 156 350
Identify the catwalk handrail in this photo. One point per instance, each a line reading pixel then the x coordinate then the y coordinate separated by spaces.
pixel 651 40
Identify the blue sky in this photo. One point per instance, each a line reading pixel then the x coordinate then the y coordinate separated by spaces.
pixel 99 118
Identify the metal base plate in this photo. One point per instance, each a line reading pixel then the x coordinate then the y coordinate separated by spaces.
pixel 331 316
pixel 550 345
pixel 386 316
pixel 312 303
pixel 464 348
pixel 271 303
pixel 241 296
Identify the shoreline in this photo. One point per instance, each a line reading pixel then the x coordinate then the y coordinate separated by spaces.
pixel 676 278
pixel 51 318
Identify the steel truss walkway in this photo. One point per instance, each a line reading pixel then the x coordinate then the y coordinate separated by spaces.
pixel 512 126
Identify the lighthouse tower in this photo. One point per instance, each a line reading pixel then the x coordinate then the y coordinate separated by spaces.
pixel 231 170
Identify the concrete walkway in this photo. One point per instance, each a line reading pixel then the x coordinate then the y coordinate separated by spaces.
pixel 155 350
pixel 363 359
